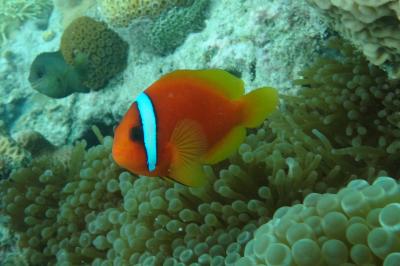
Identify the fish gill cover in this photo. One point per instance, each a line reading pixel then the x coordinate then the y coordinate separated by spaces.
pixel 320 177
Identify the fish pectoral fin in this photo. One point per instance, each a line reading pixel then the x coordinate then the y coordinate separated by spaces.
pixel 189 145
pixel 188 141
pixel 226 146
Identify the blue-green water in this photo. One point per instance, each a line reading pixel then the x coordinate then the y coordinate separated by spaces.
pixel 316 183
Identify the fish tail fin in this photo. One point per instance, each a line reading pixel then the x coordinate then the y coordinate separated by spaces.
pixel 258 104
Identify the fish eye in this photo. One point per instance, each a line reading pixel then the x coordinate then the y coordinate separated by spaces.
pixel 40 73
pixel 136 134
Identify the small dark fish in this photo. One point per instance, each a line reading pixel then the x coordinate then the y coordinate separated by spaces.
pixel 52 76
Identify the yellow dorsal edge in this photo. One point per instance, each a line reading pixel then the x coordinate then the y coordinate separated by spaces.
pixel 221 80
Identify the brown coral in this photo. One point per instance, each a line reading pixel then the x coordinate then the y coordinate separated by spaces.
pixel 122 12
pixel 90 44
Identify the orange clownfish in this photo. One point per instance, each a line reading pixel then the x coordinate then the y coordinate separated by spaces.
pixel 186 119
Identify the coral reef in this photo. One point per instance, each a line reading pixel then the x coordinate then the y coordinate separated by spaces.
pixel 373 26
pixel 91 211
pixel 14 258
pixel 11 155
pixel 14 13
pixel 359 225
pixel 263 50
pixel 39 191
pixel 122 12
pixel 171 28
pixel 89 45
pixel 48 35
pixel 10 255
pixel 5 166
pixel 72 9
pixel 100 214
pixel 35 143
pixel 76 206
pixel 354 105
pixel 5 235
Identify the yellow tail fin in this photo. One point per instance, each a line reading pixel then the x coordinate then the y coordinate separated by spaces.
pixel 258 104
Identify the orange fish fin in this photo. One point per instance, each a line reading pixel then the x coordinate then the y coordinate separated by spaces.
pixel 258 104
pixel 226 146
pixel 222 81
pixel 189 145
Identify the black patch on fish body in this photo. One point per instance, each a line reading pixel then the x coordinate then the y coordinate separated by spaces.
pixel 136 133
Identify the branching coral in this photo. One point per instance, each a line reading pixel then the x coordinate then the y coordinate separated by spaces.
pixel 373 26
pixel 14 13
pixel 122 12
pixel 359 224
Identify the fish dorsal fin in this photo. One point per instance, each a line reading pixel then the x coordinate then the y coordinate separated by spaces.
pixel 227 146
pixel 188 148
pixel 221 80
